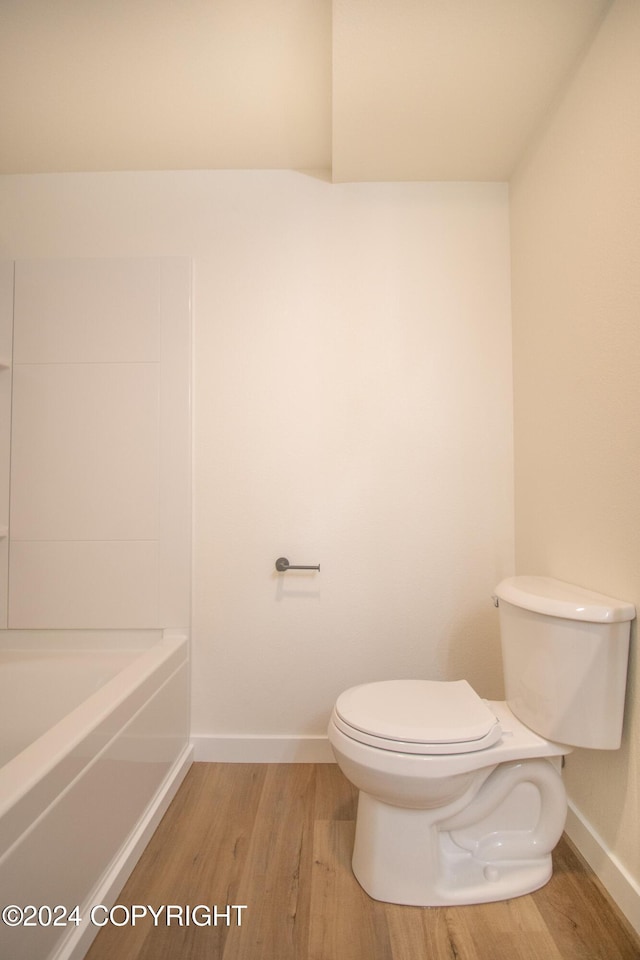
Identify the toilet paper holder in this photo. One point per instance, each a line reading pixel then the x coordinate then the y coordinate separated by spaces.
pixel 282 565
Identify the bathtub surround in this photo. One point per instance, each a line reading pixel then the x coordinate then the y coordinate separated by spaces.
pixel 99 454
pixel 6 340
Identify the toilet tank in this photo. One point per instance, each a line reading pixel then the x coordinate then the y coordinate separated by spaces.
pixel 565 652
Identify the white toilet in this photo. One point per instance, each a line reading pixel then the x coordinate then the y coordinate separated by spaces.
pixel 461 799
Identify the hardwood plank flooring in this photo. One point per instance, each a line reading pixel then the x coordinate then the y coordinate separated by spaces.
pixel 278 838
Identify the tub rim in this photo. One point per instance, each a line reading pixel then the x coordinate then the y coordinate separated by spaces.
pixel 30 770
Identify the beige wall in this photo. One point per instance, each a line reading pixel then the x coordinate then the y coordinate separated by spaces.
pixel 402 90
pixel 575 222
pixel 157 84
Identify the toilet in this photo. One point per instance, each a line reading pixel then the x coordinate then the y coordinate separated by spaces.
pixel 461 800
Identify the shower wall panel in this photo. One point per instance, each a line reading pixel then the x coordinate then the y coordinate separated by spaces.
pixel 100 395
pixel 6 332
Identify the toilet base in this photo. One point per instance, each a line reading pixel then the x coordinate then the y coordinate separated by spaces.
pixel 402 876
pixel 463 854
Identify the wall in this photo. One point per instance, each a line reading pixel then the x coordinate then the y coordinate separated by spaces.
pixel 575 222
pixel 377 91
pixel 352 407
pixel 165 85
pixel 99 464
pixel 100 425
pixel 6 351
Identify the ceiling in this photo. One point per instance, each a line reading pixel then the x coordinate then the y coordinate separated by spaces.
pixel 368 89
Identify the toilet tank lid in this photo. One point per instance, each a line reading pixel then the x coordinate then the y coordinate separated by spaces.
pixel 555 598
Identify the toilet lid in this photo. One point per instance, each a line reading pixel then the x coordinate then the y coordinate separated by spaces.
pixel 418 716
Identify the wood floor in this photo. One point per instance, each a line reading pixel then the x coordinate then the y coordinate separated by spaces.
pixel 278 837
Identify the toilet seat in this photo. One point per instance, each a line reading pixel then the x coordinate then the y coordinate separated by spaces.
pixel 417 716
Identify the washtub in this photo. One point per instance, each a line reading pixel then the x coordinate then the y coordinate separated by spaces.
pixel 94 744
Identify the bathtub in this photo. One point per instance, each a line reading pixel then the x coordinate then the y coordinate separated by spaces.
pixel 94 742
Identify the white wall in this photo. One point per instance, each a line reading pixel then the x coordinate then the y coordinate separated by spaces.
pixel 352 407
pixel 100 425
pixel 576 249
pixel 6 350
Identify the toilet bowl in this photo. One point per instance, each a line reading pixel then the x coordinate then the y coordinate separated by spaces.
pixel 437 828
pixel 460 801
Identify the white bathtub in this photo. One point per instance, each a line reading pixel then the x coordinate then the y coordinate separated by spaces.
pixel 94 734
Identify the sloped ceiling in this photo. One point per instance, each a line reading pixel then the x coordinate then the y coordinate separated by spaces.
pixel 368 89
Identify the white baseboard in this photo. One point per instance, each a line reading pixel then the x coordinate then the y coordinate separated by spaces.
pixel 623 889
pixel 241 749
pixel 111 883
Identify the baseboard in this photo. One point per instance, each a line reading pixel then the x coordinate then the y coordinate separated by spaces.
pixel 266 749
pixel 623 889
pixel 112 882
